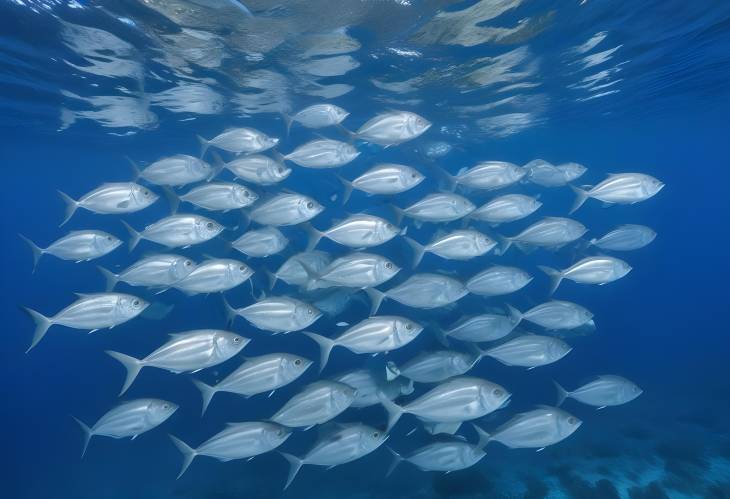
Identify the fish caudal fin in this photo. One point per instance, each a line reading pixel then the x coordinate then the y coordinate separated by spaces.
pixel 398 214
pixel 172 198
pixel 580 197
pixel 207 392
pixel 271 277
pixel 484 437
pixel 230 311
pixel 313 236
pixel 87 435
pixel 397 459
pixel 110 277
pixel 37 251
pixel 346 188
pixel 418 251
pixel 42 323
pixel 391 370
pixel 504 244
pixel 562 394
pixel 188 454
pixel 295 464
pixel 204 144
pixel 287 122
pixel 71 206
pixel 325 348
pixel 134 236
pixel 394 410
pixel 376 298
pixel 514 314
pixel 136 171
pixel 132 365
pixel 555 276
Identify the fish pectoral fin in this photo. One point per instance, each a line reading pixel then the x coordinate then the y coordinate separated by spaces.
pixel 93 331
pixel 123 204
pixel 330 467
pixel 135 436
pixel 270 393
pixel 602 407
pixel 540 449
pixel 250 459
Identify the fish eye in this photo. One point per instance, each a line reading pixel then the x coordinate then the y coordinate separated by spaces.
pixel 135 303
pixel 209 225
pixel 146 193
pixel 376 434
pixel 310 311
pixel 409 326
pixel 389 226
pixel 572 420
pixel 280 169
pixel 298 362
pixel 237 339
pixel 310 205
pixel 498 392
pixel 388 265
pixel 414 175
pixel 246 194
pixel 108 238
pixel 165 406
pixel 280 432
pixel 188 263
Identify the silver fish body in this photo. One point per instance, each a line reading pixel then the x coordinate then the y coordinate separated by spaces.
pixel 112 199
pixel 241 141
pixel 604 391
pixel 388 178
pixel 427 291
pixel 393 128
pixel 258 169
pixel 507 208
pixel 323 153
pixel 261 243
pixel 498 280
pixel 279 314
pixel 549 232
pixel 484 327
pixel 534 429
pixel 320 116
pixel 620 188
pixel 456 245
pixel 162 270
pixel 356 270
pixel 177 170
pixel 360 231
pixel 444 456
pixel 77 246
pixel 368 385
pixel 435 367
pixel 286 209
pixel 557 314
pixel 317 403
pixel 490 175
pixel 627 237
pixel 440 207
pixel 214 276
pixel 220 196
pixel 529 350
pixel 177 231
pixel 545 174
pixel 590 270
pixel 294 270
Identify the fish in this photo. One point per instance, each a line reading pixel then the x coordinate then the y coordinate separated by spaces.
pixel 367 385
pixel 323 153
pixel 235 441
pixel 384 179
pixel 129 419
pixel 258 169
pixel 605 391
pixel 377 334
pixel 356 270
pixel 239 141
pixel 176 171
pixel 550 232
pixel 529 350
pixel 557 315
pixel 90 311
pixel 257 375
pixel 433 367
pixel 161 270
pixel 317 403
pixel 393 128
pixel 217 196
pixel 296 270
pixel 77 246
pixel 261 243
pixel 437 207
pixel 318 116
pixel 457 399
pixel 214 275
pixel 276 314
pixel 626 237
pixel 440 456
pixel 176 231
pixel 487 175
pixel 590 270
pixel 498 280
pixel 534 429
pixel 347 443
pixel 112 198
pixel 186 352
pixel 507 208
pixel 545 174
pixel 485 327
pixel 619 188
pixel 286 209
pixel 356 231
pixel 420 291
pixel 572 171
pixel 455 245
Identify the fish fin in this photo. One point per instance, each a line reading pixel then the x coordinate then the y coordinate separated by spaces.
pixel 484 437
pixel 602 407
pixel 37 251
pixel 418 251
pixel 136 171
pixel 514 314
pixel 555 277
pixel 418 224
pixel 204 144
pixel 71 206
pixel 135 236
pixel 398 213
pixel 230 311
pixel 270 394
pixel 42 323
pixel 391 371
pixel 313 235
pixel 562 394
pixel 412 431
pixel 188 454
pixel 88 433
pixel 271 277
pixel 504 244
pixel 172 198
pixel 325 347
pixel 132 365
pixel 397 459
pixel 295 464
pixel 216 168
pixel 111 278
pixel 540 449
pixel 376 299
pixel 580 197
pixel 440 335
pixel 447 181
pixel 342 324
pixel 288 121
pixel 207 393
pixel 394 410
pixel 347 188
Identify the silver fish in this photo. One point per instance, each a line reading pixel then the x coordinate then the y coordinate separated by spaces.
pixel 529 350
pixel 258 169
pixel 507 208
pixel 90 311
pixel 572 171
pixel 295 270
pixel 557 314
pixel 455 245
pixel 620 188
pixel 489 175
pixel 591 270
pixel 176 231
pixel 257 375
pixel 239 141
pixel 421 291
pixel 323 153
pixel 188 352
pixel 111 199
pixel 383 178
pixel 236 441
pixel 214 276
pixel 438 207
pixel 549 232
pixel 286 209
pixel 356 270
pixel 498 280
pixel 625 238
pixel 220 196
pixel 441 456
pixel 375 334
pixel 356 231
pixel 434 367
pixel 77 245
pixel 277 314
pixel 545 174
pixel 319 116
pixel 368 385
pixel 534 429
pixel 176 170
pixel 393 128
pixel 161 270
pixel 348 443
pixel 604 391
pixel 261 243
pixel 129 419
pixel 317 403
pixel 485 327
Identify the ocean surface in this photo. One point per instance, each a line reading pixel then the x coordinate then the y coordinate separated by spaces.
pixel 616 86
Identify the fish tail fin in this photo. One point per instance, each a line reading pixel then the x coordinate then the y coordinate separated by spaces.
pixel 504 244
pixel 391 371
pixel 71 206
pixel 397 213
pixel 134 238
pixel 592 242
pixel 42 323
pixel 555 277
pixel 132 365
pixel 37 251
pixel 484 437
pixel 447 181
pixel 394 410
pixel 67 118
pixel 295 464
pixel 313 236
pixel 562 394
pixel 88 433
pixel 230 311
pixel 351 136
pixel 207 392
pixel 580 197
pixel 376 299
pixel 188 454
pixel 346 188
pixel 204 144
pixel 271 276
pixel 325 347
pixel 172 198
pixel 397 459
pixel 287 122
pixel 418 251
pixel 110 277
pixel 441 336
pixel 136 171
pixel 514 314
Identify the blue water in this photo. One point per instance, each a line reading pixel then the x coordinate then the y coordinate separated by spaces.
pixel 616 86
